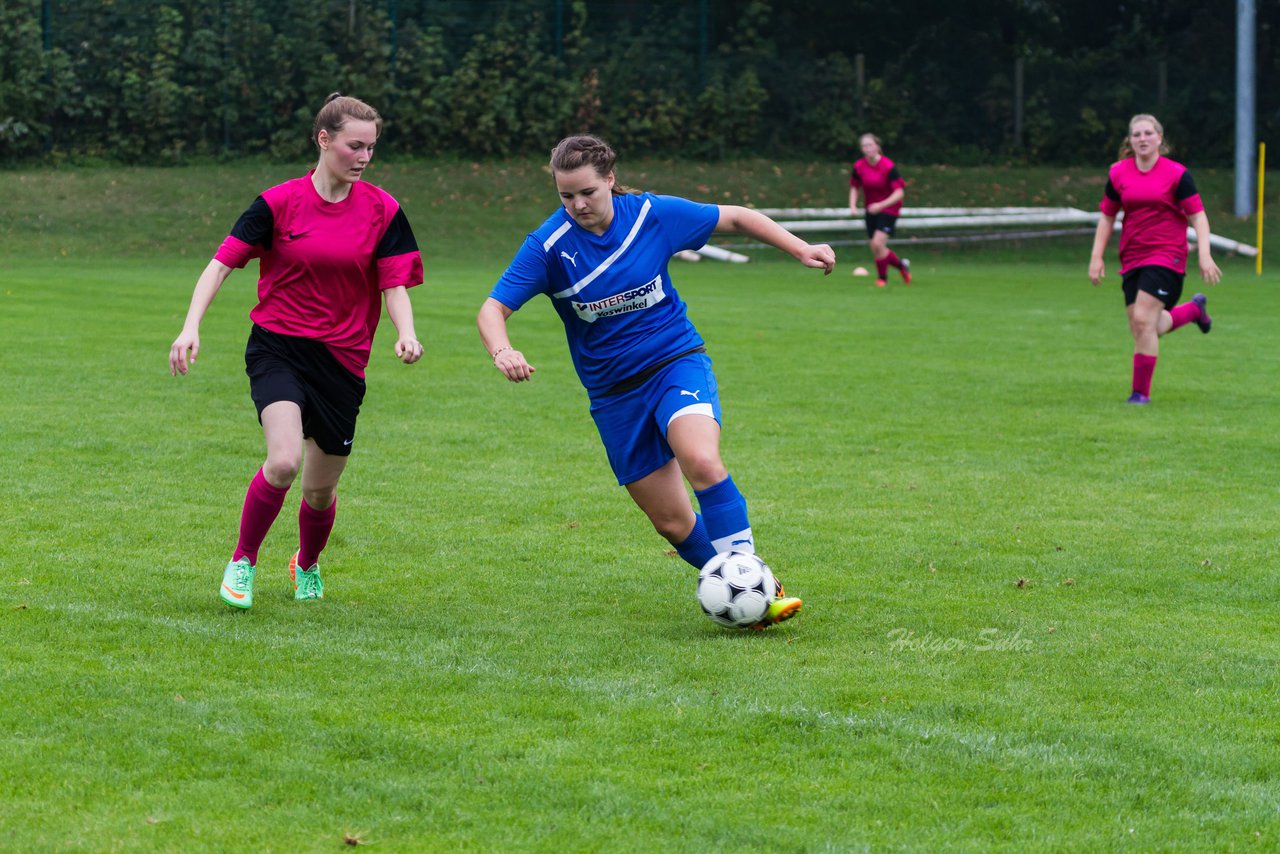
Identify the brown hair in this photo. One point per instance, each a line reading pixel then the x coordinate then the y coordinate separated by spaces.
pixel 335 112
pixel 1126 149
pixel 574 152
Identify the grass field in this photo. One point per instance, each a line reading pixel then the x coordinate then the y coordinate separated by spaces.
pixel 1036 619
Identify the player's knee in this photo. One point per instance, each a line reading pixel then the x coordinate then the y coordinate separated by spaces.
pixel 1142 327
pixel 280 470
pixel 674 528
pixel 320 498
pixel 703 469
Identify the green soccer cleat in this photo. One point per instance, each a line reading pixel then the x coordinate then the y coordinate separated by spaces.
pixel 237 583
pixel 307 583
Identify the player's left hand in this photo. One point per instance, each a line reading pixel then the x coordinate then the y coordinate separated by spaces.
pixel 819 255
pixel 1209 271
pixel 408 350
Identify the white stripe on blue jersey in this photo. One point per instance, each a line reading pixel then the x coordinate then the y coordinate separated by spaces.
pixel 608 262
pixel 556 235
pixel 625 314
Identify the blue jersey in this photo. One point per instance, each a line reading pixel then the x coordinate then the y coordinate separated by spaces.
pixel 621 313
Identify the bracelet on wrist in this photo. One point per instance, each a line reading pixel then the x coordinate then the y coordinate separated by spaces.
pixel 499 350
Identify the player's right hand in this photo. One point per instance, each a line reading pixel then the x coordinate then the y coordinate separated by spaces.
pixel 513 366
pixel 1097 269
pixel 820 256
pixel 179 361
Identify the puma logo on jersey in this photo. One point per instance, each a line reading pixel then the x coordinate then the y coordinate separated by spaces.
pixel 693 394
pixel 570 258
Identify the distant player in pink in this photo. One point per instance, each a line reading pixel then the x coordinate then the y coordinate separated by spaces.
pixel 331 249
pixel 883 188
pixel 1159 200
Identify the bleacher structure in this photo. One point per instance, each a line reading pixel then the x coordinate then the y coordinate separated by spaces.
pixel 953 225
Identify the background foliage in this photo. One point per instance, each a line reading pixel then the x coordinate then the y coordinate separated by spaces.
pixel 124 80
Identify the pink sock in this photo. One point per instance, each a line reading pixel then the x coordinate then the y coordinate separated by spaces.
pixel 882 267
pixel 893 260
pixel 1184 314
pixel 313 531
pixel 1143 367
pixel 262 504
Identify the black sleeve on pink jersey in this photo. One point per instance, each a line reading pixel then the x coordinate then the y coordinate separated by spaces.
pixel 1186 187
pixel 1111 192
pixel 893 174
pixel 255 226
pixel 398 239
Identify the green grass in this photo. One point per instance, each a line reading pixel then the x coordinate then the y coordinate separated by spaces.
pixel 1036 619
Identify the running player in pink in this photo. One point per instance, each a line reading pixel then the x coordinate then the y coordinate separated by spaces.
pixel 331 249
pixel 1159 200
pixel 878 178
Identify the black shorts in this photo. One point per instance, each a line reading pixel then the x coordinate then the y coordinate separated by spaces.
pixel 283 367
pixel 1161 282
pixel 880 222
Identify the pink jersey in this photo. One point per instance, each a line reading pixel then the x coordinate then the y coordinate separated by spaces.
pixel 878 182
pixel 324 264
pixel 1156 205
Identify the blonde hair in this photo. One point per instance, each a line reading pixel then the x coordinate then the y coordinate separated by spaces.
pixel 335 112
pixel 574 152
pixel 1126 148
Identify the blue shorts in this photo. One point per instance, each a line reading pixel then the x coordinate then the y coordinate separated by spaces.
pixel 633 424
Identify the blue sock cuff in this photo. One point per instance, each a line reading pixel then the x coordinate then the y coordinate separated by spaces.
pixel 696 548
pixel 725 489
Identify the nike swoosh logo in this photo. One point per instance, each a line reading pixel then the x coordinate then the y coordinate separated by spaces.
pixel 348 441
pixel 234 595
pixel 293 236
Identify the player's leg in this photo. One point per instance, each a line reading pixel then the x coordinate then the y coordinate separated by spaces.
pixel 642 462
pixel 665 500
pixel 880 250
pixel 885 229
pixel 282 430
pixel 1146 314
pixel 692 430
pixel 316 514
pixel 686 408
pixel 1189 312
pixel 695 440
pixel 334 396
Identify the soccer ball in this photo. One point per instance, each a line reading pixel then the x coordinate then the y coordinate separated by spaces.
pixel 736 589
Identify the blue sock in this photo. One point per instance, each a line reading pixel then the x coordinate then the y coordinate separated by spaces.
pixel 725 512
pixel 696 548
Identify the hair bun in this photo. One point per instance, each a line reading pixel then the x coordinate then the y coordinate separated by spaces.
pixel 333 96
